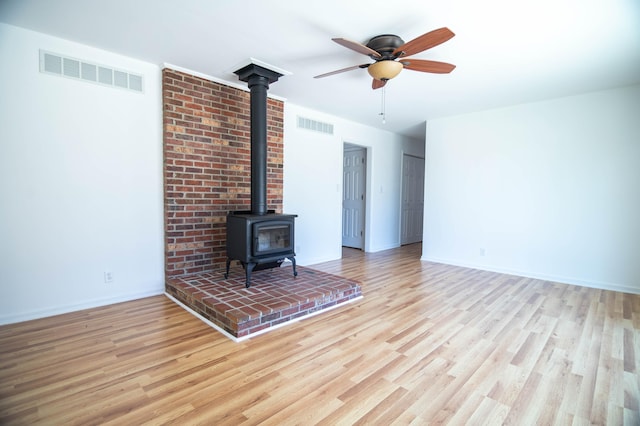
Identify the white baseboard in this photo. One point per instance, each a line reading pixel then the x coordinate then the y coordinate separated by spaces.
pixel 58 310
pixel 528 274
pixel 383 248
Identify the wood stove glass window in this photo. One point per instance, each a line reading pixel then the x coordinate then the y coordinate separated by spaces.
pixel 272 238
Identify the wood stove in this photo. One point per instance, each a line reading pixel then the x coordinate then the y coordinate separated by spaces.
pixel 260 241
pixel 259 238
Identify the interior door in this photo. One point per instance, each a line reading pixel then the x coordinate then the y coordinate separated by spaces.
pixel 412 209
pixel 353 202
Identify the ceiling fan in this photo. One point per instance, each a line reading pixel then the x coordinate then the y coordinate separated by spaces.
pixel 391 55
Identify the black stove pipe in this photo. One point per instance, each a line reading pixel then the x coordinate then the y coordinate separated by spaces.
pixel 258 79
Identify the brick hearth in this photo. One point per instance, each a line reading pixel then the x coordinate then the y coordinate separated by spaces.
pixel 275 297
pixel 207 171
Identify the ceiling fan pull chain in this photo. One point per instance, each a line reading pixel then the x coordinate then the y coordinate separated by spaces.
pixel 383 112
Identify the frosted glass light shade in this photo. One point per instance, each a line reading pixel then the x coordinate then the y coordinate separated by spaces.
pixel 384 70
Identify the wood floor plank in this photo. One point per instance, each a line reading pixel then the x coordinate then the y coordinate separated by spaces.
pixel 428 343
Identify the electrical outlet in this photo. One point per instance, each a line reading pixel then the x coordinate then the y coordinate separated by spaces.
pixel 108 277
pixel 483 252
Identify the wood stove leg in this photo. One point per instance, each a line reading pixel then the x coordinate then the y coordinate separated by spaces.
pixel 226 275
pixel 248 269
pixel 293 262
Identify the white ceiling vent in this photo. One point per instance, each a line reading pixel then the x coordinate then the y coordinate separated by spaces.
pixel 53 63
pixel 317 126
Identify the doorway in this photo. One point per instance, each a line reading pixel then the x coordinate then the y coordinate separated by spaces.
pixel 353 196
pixel 412 209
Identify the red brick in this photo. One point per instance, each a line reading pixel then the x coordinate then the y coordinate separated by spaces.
pixel 207 166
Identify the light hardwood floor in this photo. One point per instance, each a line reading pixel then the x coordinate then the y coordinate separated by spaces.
pixel 428 344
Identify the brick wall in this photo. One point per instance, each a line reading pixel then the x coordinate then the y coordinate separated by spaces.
pixel 207 167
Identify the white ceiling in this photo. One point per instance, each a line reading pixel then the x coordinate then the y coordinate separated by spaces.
pixel 507 52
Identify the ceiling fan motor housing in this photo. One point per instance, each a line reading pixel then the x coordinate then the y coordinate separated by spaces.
pixel 385 44
pixel 387 49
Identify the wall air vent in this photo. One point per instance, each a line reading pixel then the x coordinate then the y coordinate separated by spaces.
pixel 53 63
pixel 317 126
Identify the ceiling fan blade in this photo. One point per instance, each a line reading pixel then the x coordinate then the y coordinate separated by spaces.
pixel 376 84
pixel 428 66
pixel 358 47
pixel 424 42
pixel 341 70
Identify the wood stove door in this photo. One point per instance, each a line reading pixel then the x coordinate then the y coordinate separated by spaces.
pixel 272 237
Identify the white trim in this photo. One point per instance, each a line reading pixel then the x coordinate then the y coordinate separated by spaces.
pixel 389 246
pixel 44 313
pixel 264 330
pixel 554 278
pixel 216 79
pixel 201 318
pixel 260 63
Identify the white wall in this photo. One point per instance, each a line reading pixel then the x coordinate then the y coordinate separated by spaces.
pixel 313 183
pixel 548 189
pixel 80 182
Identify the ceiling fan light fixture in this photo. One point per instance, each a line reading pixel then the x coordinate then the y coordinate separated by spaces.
pixel 385 70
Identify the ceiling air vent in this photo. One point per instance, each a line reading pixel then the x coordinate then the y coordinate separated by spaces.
pixel 317 126
pixel 53 63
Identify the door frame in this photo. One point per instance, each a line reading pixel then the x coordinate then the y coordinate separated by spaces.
pixel 346 145
pixel 424 177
